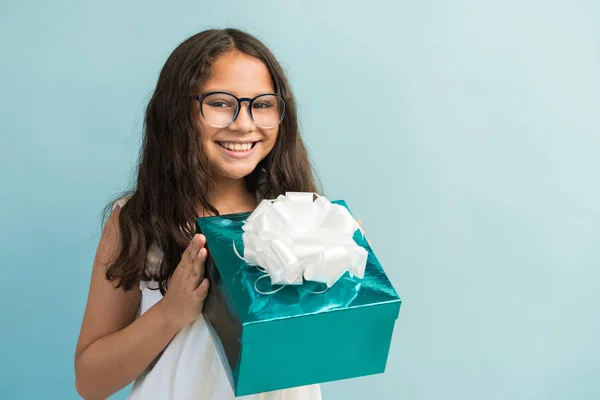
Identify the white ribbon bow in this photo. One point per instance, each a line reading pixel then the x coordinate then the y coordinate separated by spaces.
pixel 294 237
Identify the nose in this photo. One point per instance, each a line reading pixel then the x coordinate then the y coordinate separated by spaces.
pixel 243 123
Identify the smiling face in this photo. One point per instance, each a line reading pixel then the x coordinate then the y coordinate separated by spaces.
pixel 235 151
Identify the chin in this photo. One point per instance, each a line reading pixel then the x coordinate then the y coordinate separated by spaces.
pixel 237 172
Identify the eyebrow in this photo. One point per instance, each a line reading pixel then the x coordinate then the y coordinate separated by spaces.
pixel 233 92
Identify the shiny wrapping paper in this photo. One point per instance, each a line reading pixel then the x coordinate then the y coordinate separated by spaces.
pixel 293 337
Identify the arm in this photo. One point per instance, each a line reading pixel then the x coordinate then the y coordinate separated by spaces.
pixel 114 347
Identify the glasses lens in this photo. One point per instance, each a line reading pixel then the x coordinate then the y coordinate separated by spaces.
pixel 219 109
pixel 268 111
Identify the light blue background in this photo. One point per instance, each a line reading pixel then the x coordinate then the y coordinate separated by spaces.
pixel 464 133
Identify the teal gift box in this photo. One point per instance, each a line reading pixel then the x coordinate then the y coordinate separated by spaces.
pixel 293 337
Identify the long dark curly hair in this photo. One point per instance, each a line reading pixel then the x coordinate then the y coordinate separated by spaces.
pixel 173 175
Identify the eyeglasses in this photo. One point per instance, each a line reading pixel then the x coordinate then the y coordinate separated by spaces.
pixel 220 109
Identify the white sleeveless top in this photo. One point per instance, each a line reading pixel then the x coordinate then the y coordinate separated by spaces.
pixel 189 368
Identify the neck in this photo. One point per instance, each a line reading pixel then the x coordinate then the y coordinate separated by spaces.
pixel 231 196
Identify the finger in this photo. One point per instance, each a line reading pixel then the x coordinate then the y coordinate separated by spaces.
pixel 362 230
pixel 196 244
pixel 202 290
pixel 185 257
pixel 198 266
pixel 359 222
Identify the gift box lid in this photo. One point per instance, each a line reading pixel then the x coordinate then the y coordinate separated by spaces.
pixel 284 309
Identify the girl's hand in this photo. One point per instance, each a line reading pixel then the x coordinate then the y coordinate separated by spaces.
pixel 363 231
pixel 184 299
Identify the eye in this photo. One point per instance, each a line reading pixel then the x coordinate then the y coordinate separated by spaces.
pixel 219 104
pixel 262 105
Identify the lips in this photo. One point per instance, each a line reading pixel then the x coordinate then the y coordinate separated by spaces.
pixel 237 150
pixel 237 146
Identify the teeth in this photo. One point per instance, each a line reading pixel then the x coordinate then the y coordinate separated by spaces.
pixel 236 146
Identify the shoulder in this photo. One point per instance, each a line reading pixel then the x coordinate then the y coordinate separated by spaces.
pixel 155 254
pixel 111 223
pixel 120 202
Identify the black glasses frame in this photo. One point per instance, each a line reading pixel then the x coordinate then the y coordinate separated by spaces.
pixel 240 100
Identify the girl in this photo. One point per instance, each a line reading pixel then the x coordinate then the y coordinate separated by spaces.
pixel 221 133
